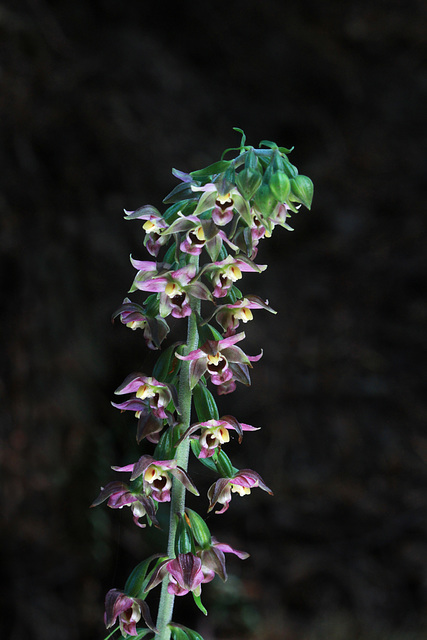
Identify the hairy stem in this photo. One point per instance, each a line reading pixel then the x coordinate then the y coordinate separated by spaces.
pixel 178 489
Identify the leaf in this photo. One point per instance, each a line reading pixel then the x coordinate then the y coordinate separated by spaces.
pixel 134 586
pixel 211 170
pixel 204 403
pixel 167 364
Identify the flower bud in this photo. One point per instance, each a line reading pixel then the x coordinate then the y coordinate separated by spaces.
pixel 199 528
pixel 248 181
pixel 302 190
pixel 280 185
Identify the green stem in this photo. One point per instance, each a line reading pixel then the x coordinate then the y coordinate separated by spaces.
pixel 178 489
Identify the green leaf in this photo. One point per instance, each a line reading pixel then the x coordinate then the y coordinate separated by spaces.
pixel 198 602
pixel 178 634
pixel 208 332
pixel 182 191
pixel 211 170
pixel 204 403
pixel 190 634
pixel 208 462
pixel 134 586
pixel 165 448
pixel 302 189
pixel 167 365
pixel 152 305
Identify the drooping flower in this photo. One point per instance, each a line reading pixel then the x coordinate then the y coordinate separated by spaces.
pixel 214 433
pixel 133 316
pixel 147 390
pixel 200 233
pixel 230 315
pixel 223 361
pixel 242 483
pixel 156 477
pixel 226 272
pixel 222 204
pixel 154 227
pixel 129 611
pixel 120 495
pixel 213 559
pixel 184 572
pixel 174 287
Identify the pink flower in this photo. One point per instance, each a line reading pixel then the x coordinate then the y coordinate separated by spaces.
pixel 174 287
pixel 185 574
pixel 214 433
pixel 129 611
pixel 242 484
pixel 226 272
pixel 120 495
pixel 223 361
pixel 148 391
pixel 222 204
pixel 230 315
pixel 156 477
pixel 154 226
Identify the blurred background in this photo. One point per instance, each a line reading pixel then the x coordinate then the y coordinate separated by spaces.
pixel 99 101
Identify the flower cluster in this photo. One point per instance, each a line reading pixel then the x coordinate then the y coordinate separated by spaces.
pixel 200 247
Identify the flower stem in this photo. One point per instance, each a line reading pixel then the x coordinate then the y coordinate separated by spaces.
pixel 178 490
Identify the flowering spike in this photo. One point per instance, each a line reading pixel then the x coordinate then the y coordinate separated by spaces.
pixel 199 249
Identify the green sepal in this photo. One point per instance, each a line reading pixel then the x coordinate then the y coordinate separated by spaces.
pixel 167 365
pixel 184 540
pixel 198 601
pixel 199 528
pixel 211 170
pixel 224 466
pixel 137 580
pixel 166 447
pixel 302 190
pixel 289 168
pixel 208 462
pixel 204 403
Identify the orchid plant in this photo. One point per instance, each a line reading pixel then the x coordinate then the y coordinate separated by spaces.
pixel 209 236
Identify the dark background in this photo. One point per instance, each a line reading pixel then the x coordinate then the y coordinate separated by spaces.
pixel 99 101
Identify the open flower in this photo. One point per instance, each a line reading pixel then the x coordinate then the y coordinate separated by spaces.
pixel 120 495
pixel 214 433
pixel 213 559
pixel 129 611
pixel 222 360
pixel 226 272
pixel 222 204
pixel 230 315
pixel 154 226
pixel 148 391
pixel 174 287
pixel 242 484
pixel 184 572
pixel 156 477
pixel 133 316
